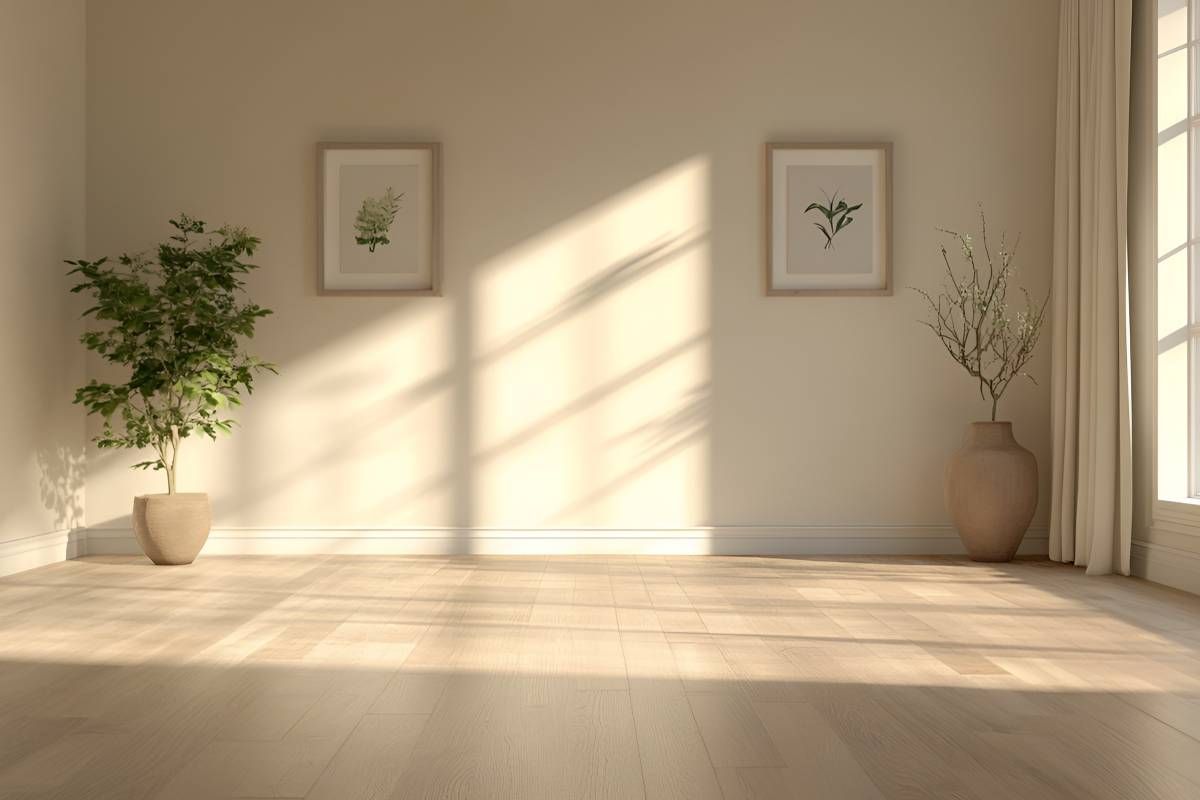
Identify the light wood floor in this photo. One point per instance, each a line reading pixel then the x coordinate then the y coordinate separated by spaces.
pixel 401 677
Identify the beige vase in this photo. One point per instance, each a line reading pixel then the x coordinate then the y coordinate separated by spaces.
pixel 991 491
pixel 171 528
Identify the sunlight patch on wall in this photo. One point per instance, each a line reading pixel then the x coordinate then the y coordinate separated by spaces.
pixel 376 406
pixel 592 366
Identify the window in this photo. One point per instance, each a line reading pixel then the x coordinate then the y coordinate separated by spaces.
pixel 1178 249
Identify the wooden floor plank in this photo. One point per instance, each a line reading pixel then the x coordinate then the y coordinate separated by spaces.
pixel 370 763
pixel 675 762
pixel 732 732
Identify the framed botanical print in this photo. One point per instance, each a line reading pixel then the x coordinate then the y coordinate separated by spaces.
pixel 829 219
pixel 380 218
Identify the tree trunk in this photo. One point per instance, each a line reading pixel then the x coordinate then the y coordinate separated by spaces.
pixel 171 464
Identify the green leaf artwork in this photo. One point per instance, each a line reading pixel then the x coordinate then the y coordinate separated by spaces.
pixel 174 323
pixel 375 218
pixel 836 212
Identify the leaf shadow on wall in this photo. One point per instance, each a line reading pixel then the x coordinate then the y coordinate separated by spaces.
pixel 61 475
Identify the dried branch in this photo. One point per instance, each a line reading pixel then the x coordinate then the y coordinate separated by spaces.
pixel 971 318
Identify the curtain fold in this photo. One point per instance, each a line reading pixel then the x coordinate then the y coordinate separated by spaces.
pixel 1091 515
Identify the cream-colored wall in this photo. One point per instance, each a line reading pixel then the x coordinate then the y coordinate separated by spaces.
pixel 42 91
pixel 604 355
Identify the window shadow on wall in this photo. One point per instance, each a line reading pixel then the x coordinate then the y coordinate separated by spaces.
pixel 561 384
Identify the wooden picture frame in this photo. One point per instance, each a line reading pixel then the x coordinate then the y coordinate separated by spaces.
pixel 825 249
pixel 373 240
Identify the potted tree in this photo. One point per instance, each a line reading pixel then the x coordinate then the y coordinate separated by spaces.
pixel 991 483
pixel 175 323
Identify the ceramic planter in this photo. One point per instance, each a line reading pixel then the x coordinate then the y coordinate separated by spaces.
pixel 991 491
pixel 171 528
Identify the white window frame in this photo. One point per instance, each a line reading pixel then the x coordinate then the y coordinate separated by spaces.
pixel 1182 514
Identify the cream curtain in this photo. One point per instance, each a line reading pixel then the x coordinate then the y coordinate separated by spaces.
pixel 1091 515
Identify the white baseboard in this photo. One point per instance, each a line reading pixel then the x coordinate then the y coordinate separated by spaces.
pixel 765 541
pixel 1171 566
pixel 18 555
